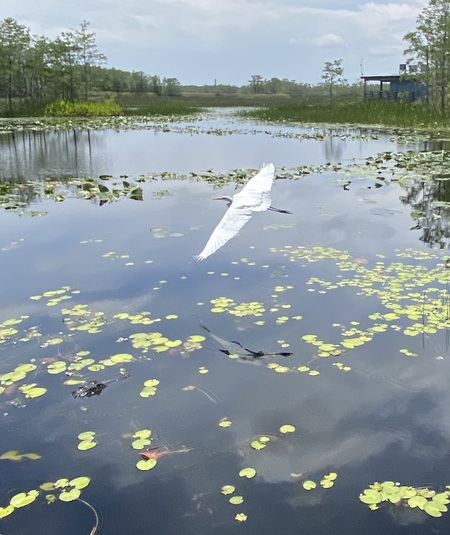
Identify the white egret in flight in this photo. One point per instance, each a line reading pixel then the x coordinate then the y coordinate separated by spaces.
pixel 254 197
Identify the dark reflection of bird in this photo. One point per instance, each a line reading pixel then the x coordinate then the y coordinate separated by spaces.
pixel 254 197
pixel 236 348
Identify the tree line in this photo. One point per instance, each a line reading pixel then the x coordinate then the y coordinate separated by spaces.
pixel 40 70
pixel 428 52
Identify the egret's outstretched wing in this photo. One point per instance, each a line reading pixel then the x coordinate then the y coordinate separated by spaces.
pixel 256 194
pixel 255 197
pixel 230 224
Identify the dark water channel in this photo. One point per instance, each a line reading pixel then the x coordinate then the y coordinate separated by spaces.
pixel 354 284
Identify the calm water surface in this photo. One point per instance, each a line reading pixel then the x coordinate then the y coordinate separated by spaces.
pixel 333 269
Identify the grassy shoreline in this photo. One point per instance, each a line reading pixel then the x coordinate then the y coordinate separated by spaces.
pixel 272 108
pixel 385 113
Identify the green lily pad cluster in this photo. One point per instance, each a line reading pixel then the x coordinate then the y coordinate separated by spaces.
pixel 78 364
pixel 278 368
pixel 162 231
pixel 80 318
pixel 18 374
pixel 193 343
pixel 154 340
pixel 324 349
pixel 140 318
pixel 160 343
pixel 118 358
pixel 14 455
pixel 260 443
pixel 141 438
pixel 91 188
pixel 149 388
pixel 226 304
pixel 408 291
pixel 87 440
pixel 428 500
pixel 69 490
pixel 55 297
pixel 8 329
pixel 227 490
pixel 311 254
pixel 32 390
pixel 19 500
pixel 326 482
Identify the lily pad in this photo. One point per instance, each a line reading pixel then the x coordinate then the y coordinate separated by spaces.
pixel 309 484
pixel 227 489
pixel 85 445
pixel 70 496
pixel 146 464
pixel 248 473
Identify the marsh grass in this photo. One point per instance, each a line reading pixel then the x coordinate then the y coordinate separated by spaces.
pixel 357 113
pixel 62 108
pixel 149 104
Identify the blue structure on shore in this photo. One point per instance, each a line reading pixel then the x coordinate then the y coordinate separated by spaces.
pixel 399 88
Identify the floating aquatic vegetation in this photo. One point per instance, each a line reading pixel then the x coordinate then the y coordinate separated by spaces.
pixel 428 500
pixel 80 318
pixel 14 455
pixel 409 291
pixel 69 490
pixel 241 517
pixel 149 388
pixel 87 441
pixel 226 304
pixel 141 439
pixel 225 422
pixel 59 366
pixel 54 297
pixel 142 318
pixel 287 428
pixel 159 343
pixel 119 358
pixel 309 484
pixel 18 374
pixel 260 443
pixel 326 482
pixel 248 473
pixel 8 329
pixel 162 231
pixel 227 489
pixel 32 390
pixel 146 464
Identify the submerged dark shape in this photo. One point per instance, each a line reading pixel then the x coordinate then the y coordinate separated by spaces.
pixel 236 348
pixel 95 388
pixel 92 388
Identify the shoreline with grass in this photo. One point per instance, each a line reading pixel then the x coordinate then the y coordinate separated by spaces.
pixel 277 109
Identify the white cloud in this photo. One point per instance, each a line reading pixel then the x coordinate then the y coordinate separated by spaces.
pixel 327 39
pixel 195 40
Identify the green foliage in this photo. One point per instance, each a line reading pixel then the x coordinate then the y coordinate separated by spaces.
pixel 362 113
pixel 62 108
pixel 424 498
pixel 333 73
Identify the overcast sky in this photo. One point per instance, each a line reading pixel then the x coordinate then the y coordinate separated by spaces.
pixel 200 41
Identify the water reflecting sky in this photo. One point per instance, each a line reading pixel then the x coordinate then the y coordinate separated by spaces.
pixel 384 419
pixel 183 148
